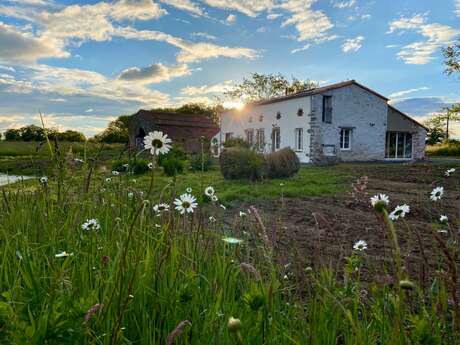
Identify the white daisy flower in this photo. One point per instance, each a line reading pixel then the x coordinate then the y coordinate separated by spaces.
pixel 212 219
pixel 223 207
pixel 63 254
pixel 443 219
pixel 214 198
pixel 380 198
pixel 78 160
pixel 437 193
pixel 157 142
pixel 188 190
pixel 242 214
pixel 232 240
pixel 108 179
pixel 185 203
pixel 360 245
pixel 130 195
pixel 399 212
pixel 443 231
pixel 209 191
pixel 43 180
pixel 115 173
pixel 150 165
pixel 126 166
pixel 449 172
pixel 159 208
pixel 91 224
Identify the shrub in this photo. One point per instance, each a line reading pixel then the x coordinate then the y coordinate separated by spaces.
pixel 236 142
pixel 201 161
pixel 137 166
pixel 242 163
pixel 172 165
pixel 282 163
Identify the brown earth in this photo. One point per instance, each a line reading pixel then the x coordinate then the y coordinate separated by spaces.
pixel 316 231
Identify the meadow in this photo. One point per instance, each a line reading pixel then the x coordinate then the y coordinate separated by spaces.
pixel 87 258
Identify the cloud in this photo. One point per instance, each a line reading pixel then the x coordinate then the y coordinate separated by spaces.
pixel 343 4
pixel 273 16
pixel 185 5
pixel 457 8
pixel 90 110
pixel 204 35
pixel 251 8
pixel 421 52
pixel 58 100
pixel 352 44
pixel 305 47
pixel 231 19
pixel 208 89
pixel 155 73
pixel 406 92
pixel 7 68
pixel 18 46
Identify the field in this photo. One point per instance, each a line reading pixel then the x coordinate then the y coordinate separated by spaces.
pixel 277 255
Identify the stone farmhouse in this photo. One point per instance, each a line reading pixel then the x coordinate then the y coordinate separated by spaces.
pixel 184 129
pixel 346 121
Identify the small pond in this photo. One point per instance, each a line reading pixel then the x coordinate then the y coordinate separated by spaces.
pixel 7 179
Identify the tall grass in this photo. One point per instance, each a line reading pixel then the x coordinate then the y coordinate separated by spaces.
pixel 148 279
pixel 448 149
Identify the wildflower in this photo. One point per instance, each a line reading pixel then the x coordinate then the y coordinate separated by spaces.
pixel 234 325
pixel 214 198
pixel 157 226
pixel 223 207
pixel 157 142
pixel 242 214
pixel 449 172
pixel 102 190
pixel 285 277
pixel 126 166
pixel 115 173
pixel 185 203
pixel 360 246
pixel 43 180
pixel 209 191
pixel 188 190
pixel 150 165
pixel 380 200
pixel 159 208
pixel 437 193
pixel 281 184
pixel 232 240
pixel 212 219
pixel 443 219
pixel 130 195
pixel 406 284
pixel 108 179
pixel 105 260
pixel 93 310
pixel 443 231
pixel 63 254
pixel 399 211
pixel 91 224
pixel 78 160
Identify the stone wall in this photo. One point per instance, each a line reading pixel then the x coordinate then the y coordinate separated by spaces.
pixel 353 107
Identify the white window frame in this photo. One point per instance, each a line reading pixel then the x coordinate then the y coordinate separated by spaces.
pixel 397 134
pixel 342 141
pixel 298 139
pixel 276 138
pixel 260 139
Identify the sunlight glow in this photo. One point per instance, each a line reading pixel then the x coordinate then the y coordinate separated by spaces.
pixel 234 105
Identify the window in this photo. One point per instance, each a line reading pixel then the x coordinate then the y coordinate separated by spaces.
pixel 250 119
pixel 300 112
pixel 261 118
pixel 260 139
pixel 278 115
pixel 345 139
pixel 276 139
pixel 298 135
pixel 327 109
pixel 398 145
pixel 228 136
pixel 250 136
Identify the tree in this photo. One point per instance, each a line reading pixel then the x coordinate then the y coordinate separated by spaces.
pixel 70 135
pixel 452 58
pixel 436 133
pixel 441 123
pixel 12 134
pixel 263 86
pixel 116 131
pixel 211 111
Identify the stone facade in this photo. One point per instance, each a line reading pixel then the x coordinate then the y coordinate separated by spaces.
pixel 184 129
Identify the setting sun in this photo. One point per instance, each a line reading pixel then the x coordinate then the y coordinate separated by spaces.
pixel 234 105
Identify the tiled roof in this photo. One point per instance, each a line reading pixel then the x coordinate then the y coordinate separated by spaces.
pixel 178 119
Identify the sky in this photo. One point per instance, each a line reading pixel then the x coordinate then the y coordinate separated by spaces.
pixel 83 63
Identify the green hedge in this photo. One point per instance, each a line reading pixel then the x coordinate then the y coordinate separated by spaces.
pixel 242 163
pixel 282 163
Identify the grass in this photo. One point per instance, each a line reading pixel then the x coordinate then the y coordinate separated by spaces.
pixel 139 276
pixel 451 149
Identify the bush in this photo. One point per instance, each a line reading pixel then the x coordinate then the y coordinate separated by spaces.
pixel 242 163
pixel 138 166
pixel 282 163
pixel 173 166
pixel 451 148
pixel 198 164
pixel 236 142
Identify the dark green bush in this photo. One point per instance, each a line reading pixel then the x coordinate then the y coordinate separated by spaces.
pixel 201 161
pixel 236 142
pixel 242 163
pixel 282 163
pixel 173 166
pixel 137 166
pixel 176 151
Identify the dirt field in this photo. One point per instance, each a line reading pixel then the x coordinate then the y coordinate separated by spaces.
pixel 315 231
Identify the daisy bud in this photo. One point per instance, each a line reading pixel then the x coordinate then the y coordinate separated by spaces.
pixel 234 325
pixel 406 284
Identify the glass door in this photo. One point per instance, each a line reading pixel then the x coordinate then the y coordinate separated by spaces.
pixel 398 145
